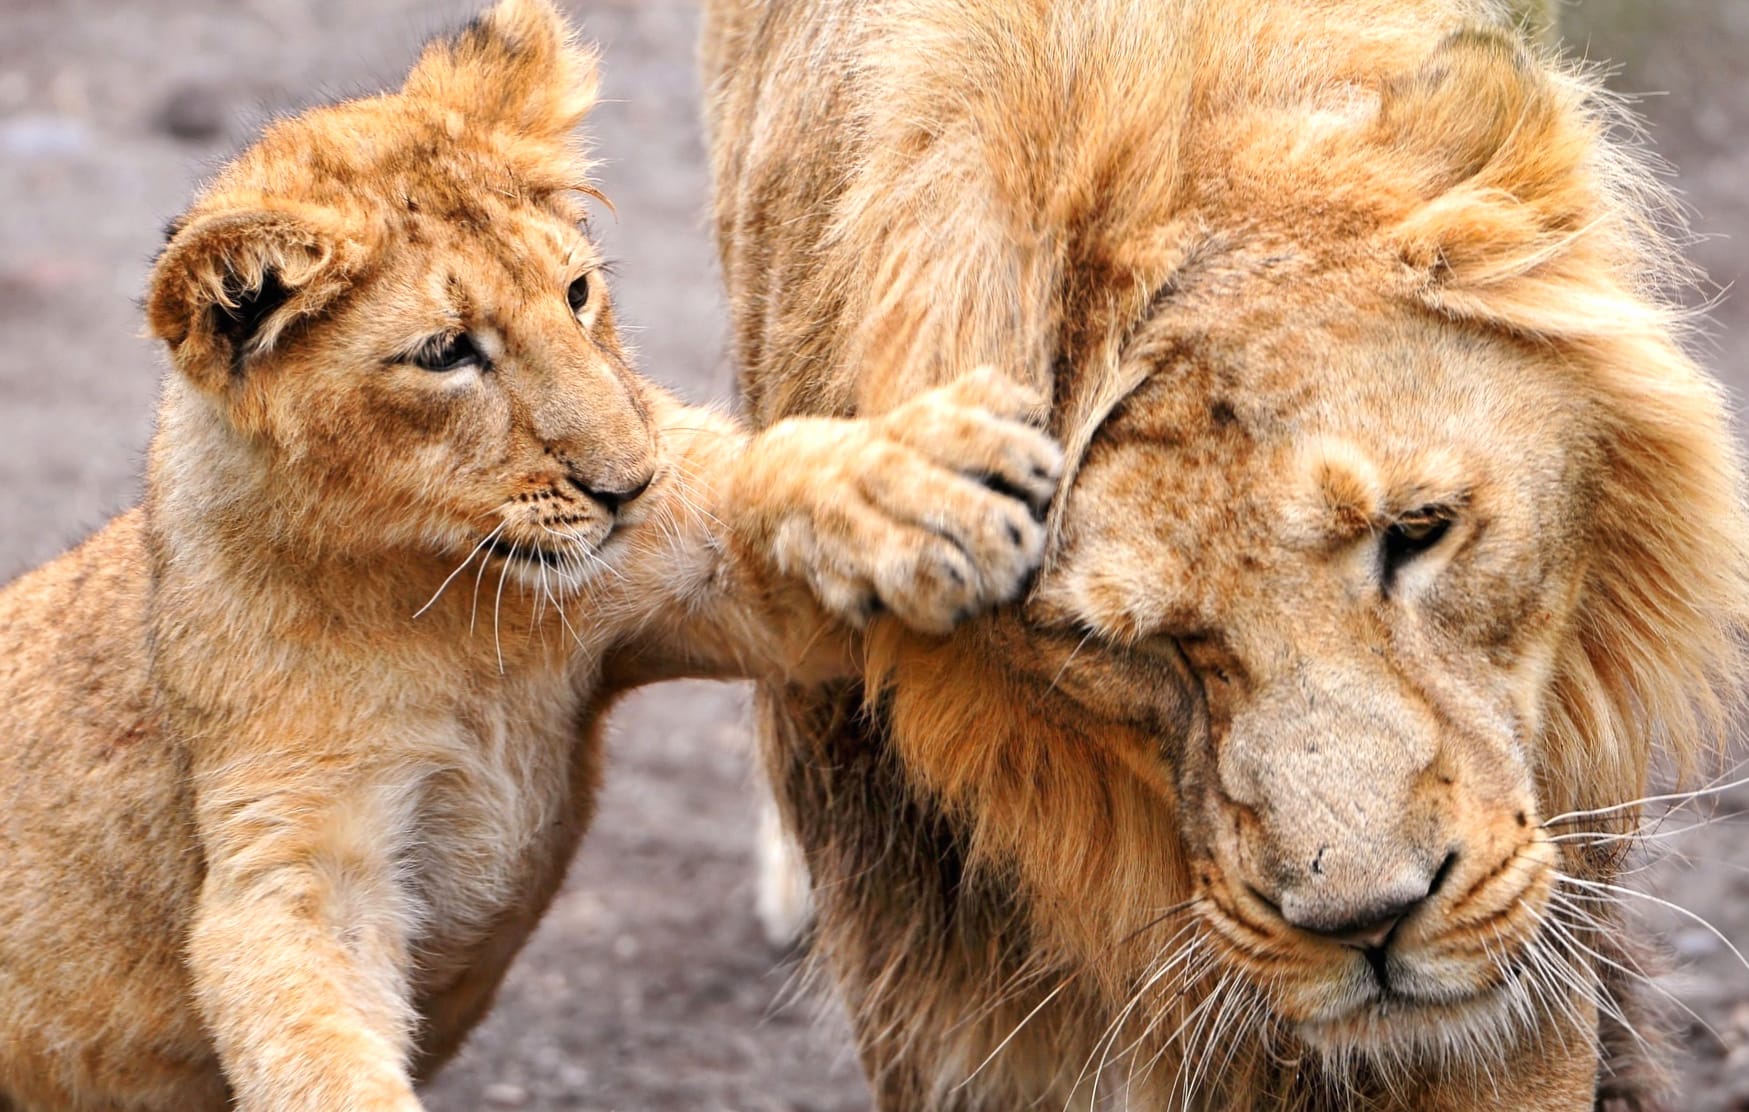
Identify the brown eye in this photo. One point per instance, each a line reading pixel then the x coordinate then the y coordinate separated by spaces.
pixel 448 353
pixel 1410 536
pixel 577 296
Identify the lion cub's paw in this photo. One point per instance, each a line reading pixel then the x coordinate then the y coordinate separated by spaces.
pixel 931 512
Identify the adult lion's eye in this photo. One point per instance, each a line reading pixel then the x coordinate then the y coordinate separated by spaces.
pixel 448 353
pixel 1411 535
pixel 578 294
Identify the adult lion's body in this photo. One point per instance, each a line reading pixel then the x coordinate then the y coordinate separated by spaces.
pixel 1399 529
pixel 295 755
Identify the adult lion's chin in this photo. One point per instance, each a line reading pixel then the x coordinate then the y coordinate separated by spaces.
pixel 1458 981
pixel 1392 1026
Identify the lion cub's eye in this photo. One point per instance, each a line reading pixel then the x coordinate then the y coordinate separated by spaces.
pixel 578 294
pixel 448 353
pixel 1411 535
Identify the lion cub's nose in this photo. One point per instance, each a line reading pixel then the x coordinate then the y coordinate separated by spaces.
pixel 611 499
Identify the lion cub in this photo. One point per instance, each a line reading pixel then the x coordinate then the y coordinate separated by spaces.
pixel 295 754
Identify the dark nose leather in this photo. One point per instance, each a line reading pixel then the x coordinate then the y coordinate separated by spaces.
pixel 613 500
pixel 1364 920
pixel 1368 931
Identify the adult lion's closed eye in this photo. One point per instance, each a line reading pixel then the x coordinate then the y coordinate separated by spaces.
pixel 1397 523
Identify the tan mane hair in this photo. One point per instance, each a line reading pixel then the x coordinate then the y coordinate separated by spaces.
pixel 1082 194
pixel 1536 213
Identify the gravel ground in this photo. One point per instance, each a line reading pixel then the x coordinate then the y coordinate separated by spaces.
pixel 648 989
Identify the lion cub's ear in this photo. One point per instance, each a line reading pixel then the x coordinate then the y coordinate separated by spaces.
pixel 228 284
pixel 517 66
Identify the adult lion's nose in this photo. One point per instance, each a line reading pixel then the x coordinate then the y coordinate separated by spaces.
pixel 1360 916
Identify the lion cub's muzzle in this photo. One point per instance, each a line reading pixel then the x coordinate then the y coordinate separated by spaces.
pixel 553 527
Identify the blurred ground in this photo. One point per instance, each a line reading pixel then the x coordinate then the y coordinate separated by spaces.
pixel 648 989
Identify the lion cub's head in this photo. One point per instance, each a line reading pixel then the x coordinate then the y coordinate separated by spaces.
pixel 387 317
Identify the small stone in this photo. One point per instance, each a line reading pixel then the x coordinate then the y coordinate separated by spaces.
pixel 193 113
pixel 502 1094
pixel 1693 943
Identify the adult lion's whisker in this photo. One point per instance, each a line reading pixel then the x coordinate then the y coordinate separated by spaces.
pixel 1679 797
pixel 1003 1045
pixel 1558 940
pixel 1581 953
pixel 1653 834
pixel 1068 660
pixel 1622 890
pixel 1197 1015
pixel 1197 963
pixel 1180 960
pixel 1163 917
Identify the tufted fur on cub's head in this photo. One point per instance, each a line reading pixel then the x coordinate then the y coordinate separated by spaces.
pixel 1403 542
pixel 355 341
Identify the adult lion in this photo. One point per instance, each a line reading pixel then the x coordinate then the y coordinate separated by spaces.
pixel 1399 532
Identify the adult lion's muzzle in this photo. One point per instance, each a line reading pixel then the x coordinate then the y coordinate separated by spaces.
pixel 1367 850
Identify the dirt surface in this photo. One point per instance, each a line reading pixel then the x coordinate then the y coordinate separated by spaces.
pixel 648 987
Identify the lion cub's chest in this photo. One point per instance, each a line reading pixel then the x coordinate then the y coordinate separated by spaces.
pixel 498 816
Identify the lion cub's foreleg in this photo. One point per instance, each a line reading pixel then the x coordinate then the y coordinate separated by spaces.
pixel 299 947
pixel 772 548
pixel 931 511
pixel 308 810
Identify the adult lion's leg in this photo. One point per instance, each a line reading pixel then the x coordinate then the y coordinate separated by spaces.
pixel 952 1010
pixel 1636 1030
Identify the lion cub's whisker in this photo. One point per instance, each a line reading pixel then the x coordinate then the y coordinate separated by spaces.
pixel 484 541
pixel 498 605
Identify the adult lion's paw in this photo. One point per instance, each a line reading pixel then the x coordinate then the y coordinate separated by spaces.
pixel 931 512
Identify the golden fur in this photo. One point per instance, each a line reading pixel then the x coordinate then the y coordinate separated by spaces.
pixel 1400 533
pixel 296 753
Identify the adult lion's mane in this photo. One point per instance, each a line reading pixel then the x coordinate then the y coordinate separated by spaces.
pixel 998 823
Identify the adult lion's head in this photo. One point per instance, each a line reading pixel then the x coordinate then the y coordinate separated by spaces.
pixel 1402 530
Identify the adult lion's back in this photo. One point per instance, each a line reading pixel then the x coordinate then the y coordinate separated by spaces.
pixel 1401 534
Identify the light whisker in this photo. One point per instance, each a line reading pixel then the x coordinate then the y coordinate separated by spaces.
pixel 475 551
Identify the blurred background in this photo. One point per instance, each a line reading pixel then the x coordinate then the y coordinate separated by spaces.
pixel 649 987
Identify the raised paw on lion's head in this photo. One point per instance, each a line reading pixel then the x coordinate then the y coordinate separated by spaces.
pixel 933 512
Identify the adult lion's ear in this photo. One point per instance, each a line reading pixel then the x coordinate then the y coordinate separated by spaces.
pixel 1501 147
pixel 1482 111
pixel 228 284
pixel 517 66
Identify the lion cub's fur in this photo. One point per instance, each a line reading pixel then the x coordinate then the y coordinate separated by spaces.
pixel 294 755
pixel 1306 280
